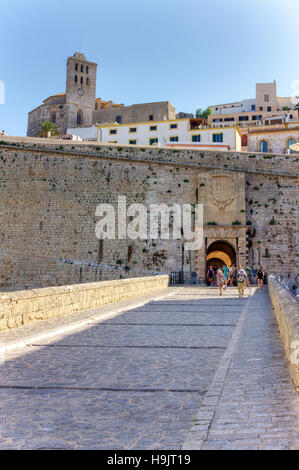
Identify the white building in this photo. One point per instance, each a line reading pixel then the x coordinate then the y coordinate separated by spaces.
pixel 173 133
pixel 251 112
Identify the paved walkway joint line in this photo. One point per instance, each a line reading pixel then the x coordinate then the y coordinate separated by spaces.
pixel 185 369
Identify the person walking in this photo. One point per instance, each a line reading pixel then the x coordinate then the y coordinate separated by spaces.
pixel 241 278
pixel 248 271
pixel 220 280
pixel 210 275
pixel 225 274
pixel 260 278
pixel 231 275
pixel 215 269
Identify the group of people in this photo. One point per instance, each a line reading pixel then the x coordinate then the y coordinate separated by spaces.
pixel 228 277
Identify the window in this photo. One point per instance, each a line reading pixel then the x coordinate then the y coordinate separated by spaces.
pixel 87 81
pixel 133 129
pixel 261 108
pixel 79 117
pixel 268 108
pixel 196 138
pixel 86 68
pixel 151 117
pixel 132 142
pixel 263 147
pixel 112 131
pixel 229 119
pixel 81 80
pixel 76 67
pixel 154 140
pixel 174 139
pixel 291 142
pixel 81 68
pixel 217 137
pixel 253 107
pixel 243 118
pixel 153 128
pixel 217 120
pixel 256 118
pixel 53 116
pixel 118 119
pixel 173 126
pixel 266 98
pixel 76 78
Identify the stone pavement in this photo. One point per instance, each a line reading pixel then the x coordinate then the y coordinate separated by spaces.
pixel 186 369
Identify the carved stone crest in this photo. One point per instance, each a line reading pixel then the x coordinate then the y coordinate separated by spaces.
pixel 221 190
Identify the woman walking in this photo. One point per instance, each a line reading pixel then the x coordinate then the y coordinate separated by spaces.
pixel 260 278
pixel 210 276
pixel 220 280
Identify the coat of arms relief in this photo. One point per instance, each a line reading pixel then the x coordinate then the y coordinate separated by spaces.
pixel 222 190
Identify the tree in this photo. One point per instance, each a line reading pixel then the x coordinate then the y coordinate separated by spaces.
pixel 45 127
pixel 200 113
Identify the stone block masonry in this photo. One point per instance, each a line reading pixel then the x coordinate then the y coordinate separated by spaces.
pixel 49 191
pixel 21 307
pixel 286 309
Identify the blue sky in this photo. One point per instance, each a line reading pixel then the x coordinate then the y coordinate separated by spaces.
pixel 190 52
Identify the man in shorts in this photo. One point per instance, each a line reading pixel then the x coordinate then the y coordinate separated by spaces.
pixel 241 278
pixel 225 274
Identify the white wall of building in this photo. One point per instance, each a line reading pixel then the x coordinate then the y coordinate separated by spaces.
pixel 238 107
pixel 164 132
pixel 84 132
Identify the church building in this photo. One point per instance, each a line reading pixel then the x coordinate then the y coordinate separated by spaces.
pixel 75 106
pixel 78 105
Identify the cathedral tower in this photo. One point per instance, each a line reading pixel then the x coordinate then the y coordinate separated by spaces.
pixel 80 90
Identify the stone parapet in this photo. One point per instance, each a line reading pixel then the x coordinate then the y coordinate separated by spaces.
pixel 234 161
pixel 286 309
pixel 20 307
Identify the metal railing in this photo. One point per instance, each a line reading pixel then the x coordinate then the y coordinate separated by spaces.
pixel 182 277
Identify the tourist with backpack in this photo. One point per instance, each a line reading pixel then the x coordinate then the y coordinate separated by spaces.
pixel 241 278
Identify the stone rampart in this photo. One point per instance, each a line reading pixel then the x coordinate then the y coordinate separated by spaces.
pixel 21 307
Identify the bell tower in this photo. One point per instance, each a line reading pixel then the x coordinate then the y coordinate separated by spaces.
pixel 80 90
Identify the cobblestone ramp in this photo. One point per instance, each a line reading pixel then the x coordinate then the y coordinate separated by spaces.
pixel 252 403
pixel 140 379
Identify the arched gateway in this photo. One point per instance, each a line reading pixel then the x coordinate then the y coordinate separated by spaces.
pixel 221 253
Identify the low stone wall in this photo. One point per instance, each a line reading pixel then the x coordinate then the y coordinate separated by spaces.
pixel 20 307
pixel 286 310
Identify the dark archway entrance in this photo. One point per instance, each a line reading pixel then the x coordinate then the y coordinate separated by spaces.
pixel 221 253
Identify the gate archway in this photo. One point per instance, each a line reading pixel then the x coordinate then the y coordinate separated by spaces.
pixel 221 253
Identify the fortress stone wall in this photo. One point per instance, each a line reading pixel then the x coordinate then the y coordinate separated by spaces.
pixel 49 191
